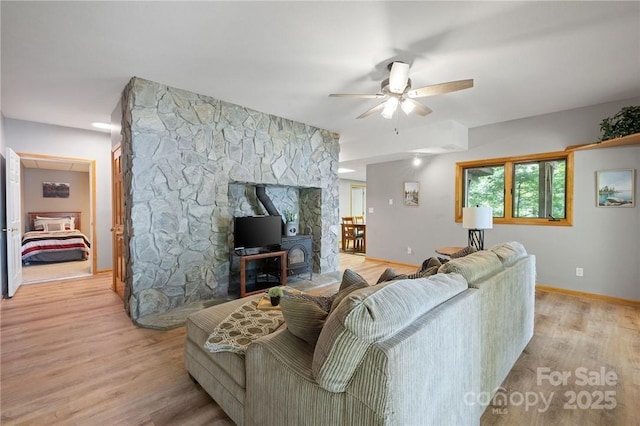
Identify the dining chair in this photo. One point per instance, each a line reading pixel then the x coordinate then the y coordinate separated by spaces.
pixel 349 234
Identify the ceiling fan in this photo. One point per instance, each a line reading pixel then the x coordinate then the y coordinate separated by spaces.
pixel 397 91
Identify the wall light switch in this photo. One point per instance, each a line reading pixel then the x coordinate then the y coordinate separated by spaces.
pixel 390 201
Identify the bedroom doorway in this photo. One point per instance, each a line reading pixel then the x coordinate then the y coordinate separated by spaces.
pixel 77 177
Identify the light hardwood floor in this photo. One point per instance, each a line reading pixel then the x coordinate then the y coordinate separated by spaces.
pixel 70 355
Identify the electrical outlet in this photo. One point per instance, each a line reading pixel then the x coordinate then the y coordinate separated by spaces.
pixel 409 250
pixel 370 209
pixel 579 272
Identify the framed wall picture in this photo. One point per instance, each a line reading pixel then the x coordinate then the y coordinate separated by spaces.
pixel 55 190
pixel 411 194
pixel 615 188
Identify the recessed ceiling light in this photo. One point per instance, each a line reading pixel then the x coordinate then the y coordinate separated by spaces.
pixel 417 161
pixel 343 170
pixel 100 125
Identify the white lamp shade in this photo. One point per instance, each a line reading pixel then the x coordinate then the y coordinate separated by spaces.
pixel 390 107
pixel 477 218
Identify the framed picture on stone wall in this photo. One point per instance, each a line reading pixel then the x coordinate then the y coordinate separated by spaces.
pixel 411 194
pixel 55 190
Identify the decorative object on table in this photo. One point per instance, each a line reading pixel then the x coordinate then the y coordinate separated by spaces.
pixel 624 123
pixel 615 188
pixel 264 304
pixel 275 293
pixel 476 220
pixel 55 190
pixel 411 194
pixel 291 219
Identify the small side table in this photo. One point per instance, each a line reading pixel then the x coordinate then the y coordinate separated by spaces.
pixel 243 273
pixel 448 251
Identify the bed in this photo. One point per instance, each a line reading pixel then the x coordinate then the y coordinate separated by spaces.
pixel 54 237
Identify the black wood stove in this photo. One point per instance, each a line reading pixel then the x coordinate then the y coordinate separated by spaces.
pixel 299 254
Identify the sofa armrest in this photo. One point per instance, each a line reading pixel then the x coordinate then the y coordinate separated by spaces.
pixel 279 375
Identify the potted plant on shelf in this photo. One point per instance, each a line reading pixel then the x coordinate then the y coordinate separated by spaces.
pixel 624 123
pixel 275 293
pixel 291 218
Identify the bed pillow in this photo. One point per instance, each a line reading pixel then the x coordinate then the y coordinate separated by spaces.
pixel 40 221
pixel 54 227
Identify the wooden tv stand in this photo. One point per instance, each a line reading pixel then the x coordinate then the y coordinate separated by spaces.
pixel 243 273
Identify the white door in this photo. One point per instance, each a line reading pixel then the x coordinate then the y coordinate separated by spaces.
pixel 14 225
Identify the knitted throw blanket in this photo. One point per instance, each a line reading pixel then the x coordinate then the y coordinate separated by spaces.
pixel 241 327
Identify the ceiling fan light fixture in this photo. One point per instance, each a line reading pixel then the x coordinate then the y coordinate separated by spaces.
pixel 390 107
pixel 397 90
pixel 398 77
pixel 407 106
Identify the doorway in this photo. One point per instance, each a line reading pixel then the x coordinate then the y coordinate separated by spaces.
pixel 38 171
pixel 358 200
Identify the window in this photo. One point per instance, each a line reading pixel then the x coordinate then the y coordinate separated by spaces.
pixel 530 190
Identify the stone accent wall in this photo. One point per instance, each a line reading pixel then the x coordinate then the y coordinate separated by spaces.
pixel 181 153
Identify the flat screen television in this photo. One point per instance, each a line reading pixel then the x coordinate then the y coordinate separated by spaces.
pixel 257 231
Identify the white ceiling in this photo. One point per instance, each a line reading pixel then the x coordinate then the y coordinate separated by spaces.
pixel 66 63
pixel 62 165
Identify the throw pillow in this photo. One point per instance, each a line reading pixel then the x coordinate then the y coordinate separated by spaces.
pixel 463 252
pixel 349 278
pixel 351 281
pixel 305 315
pixel 390 274
pixel 424 273
pixel 429 267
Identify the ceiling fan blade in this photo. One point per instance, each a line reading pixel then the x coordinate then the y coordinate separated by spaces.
pixel 372 111
pixel 438 89
pixel 416 107
pixel 356 95
pixel 398 77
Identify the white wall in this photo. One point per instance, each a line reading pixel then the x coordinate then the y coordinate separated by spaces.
pixel 38 138
pixel 603 241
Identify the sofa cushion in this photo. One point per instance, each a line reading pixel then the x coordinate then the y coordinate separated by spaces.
pixel 510 252
pixel 474 267
pixel 373 314
pixel 305 315
pixel 201 324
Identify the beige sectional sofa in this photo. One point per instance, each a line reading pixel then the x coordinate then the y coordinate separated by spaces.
pixel 409 351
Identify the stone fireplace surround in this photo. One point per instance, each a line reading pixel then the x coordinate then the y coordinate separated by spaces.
pixel 190 163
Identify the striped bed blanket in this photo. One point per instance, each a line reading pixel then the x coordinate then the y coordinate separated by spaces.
pixel 39 246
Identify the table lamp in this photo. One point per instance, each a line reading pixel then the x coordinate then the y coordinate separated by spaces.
pixel 476 220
